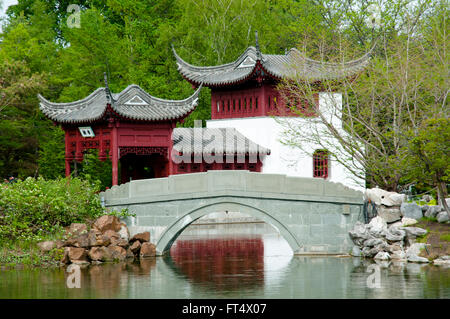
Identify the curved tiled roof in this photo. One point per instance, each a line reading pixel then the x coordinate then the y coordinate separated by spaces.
pixel 219 140
pixel 279 66
pixel 132 103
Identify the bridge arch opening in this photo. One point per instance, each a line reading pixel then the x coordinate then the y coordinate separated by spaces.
pixel 170 235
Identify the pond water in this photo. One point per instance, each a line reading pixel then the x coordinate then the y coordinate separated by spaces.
pixel 248 260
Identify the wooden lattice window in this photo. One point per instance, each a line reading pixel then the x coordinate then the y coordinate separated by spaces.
pixel 321 164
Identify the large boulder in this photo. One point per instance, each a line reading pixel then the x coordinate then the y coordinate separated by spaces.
pixel 411 210
pixel 77 254
pixel 117 253
pixel 406 221
pixel 414 232
pixel 359 233
pixel 394 234
pixel 389 215
pixel 107 222
pixel 398 255
pixel 123 232
pixel 394 247
pixel 373 242
pixel 147 250
pixel 46 246
pixel 377 227
pixel 442 261
pixel 432 211
pixel 82 241
pixel 442 217
pixel 96 238
pixel 100 253
pixel 382 255
pixel 417 259
pixel 142 237
pixel 382 197
pixel 113 236
pixel 372 251
pixel 415 249
pixel 135 247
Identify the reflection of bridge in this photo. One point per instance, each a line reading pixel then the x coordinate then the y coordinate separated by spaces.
pixel 313 215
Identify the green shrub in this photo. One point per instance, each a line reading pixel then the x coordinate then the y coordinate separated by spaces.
pixel 34 209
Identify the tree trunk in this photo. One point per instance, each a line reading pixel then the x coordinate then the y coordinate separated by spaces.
pixel 441 192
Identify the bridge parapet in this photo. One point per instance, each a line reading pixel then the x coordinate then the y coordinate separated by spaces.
pixel 232 183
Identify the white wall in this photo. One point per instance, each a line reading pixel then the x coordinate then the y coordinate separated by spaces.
pixel 267 132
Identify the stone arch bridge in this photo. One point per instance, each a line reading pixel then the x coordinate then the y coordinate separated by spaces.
pixel 313 215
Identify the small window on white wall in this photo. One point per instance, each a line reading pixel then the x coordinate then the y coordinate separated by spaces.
pixel 86 131
pixel 321 164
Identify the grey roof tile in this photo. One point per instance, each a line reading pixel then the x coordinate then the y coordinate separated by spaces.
pixel 217 140
pixel 279 66
pixel 133 103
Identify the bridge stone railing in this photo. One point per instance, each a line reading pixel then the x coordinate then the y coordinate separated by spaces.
pixel 239 183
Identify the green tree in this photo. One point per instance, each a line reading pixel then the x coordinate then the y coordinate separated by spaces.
pixel 369 133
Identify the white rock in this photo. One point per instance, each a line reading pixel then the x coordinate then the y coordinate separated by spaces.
pixel 382 255
pixel 442 262
pixel 432 211
pixel 415 249
pixel 442 217
pixel 382 197
pixel 417 259
pixel 389 215
pixel 411 210
pixel 123 232
pixel 395 234
pixel 356 252
pixel 373 242
pixel 398 255
pixel 406 221
pixel 414 231
pixel 377 226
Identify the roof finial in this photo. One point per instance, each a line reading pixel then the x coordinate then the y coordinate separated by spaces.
pixel 108 92
pixel 258 52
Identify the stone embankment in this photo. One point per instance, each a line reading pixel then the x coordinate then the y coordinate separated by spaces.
pixel 396 242
pixel 391 235
pixel 106 240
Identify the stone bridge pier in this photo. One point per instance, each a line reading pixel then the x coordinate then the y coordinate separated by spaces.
pixel 313 215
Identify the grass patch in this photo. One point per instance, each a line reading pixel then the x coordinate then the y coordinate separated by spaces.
pixel 429 219
pixel 12 255
pixel 445 237
pixel 423 239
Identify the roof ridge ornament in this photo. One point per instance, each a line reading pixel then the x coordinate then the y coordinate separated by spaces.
pixel 258 51
pixel 109 96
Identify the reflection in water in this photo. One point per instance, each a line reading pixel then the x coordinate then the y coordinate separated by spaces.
pixel 232 261
pixel 223 264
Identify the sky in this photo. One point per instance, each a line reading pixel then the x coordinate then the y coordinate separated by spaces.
pixel 4 5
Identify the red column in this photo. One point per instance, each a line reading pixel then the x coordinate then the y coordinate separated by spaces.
pixel 262 100
pixel 67 160
pixel 115 156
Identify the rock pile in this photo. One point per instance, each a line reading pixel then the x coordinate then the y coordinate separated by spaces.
pixel 379 241
pixel 392 207
pixel 108 239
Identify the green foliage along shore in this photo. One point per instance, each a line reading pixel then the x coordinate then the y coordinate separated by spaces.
pixel 36 209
